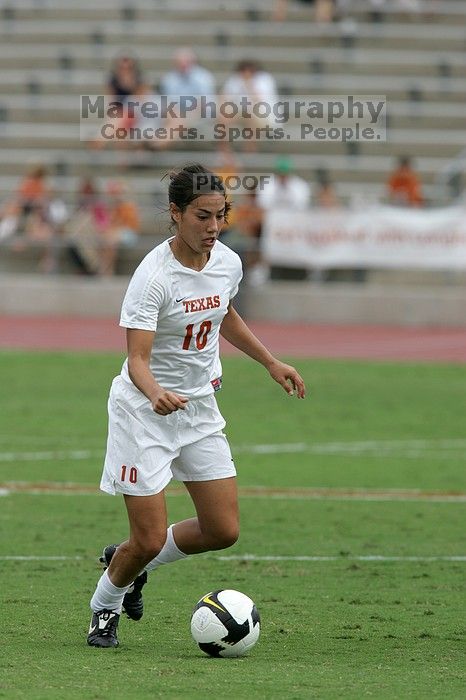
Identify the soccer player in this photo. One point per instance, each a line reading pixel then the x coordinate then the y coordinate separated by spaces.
pixel 163 417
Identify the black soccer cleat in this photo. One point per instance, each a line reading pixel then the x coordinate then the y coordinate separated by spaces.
pixel 103 629
pixel 133 604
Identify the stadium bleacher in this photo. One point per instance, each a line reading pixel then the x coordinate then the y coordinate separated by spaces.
pixel 52 51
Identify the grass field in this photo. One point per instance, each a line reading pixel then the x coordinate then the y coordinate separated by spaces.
pixel 368 466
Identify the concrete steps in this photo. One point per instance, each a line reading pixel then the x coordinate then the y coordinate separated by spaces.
pixel 60 49
pixel 346 304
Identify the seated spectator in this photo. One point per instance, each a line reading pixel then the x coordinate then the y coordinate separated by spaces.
pixel 244 238
pixel 26 217
pixel 187 76
pixel 404 186
pixel 326 197
pixel 101 227
pixel 249 80
pixel 123 226
pixel 125 79
pixel 285 190
pixel 87 227
pixel 32 194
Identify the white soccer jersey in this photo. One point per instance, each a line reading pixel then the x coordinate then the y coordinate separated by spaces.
pixel 185 309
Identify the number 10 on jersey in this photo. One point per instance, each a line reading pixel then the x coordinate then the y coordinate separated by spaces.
pixel 201 335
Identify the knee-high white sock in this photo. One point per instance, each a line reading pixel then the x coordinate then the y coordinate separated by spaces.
pixel 167 554
pixel 107 596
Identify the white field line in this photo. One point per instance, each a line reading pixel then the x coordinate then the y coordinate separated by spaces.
pixel 19 557
pixel 254 557
pixel 406 448
pixel 316 493
pixel 368 557
pixel 49 455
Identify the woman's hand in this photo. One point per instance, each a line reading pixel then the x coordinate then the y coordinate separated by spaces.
pixel 165 402
pixel 288 378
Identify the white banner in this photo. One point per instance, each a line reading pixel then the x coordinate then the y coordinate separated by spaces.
pixel 384 237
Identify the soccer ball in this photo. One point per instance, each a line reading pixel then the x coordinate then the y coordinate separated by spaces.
pixel 225 623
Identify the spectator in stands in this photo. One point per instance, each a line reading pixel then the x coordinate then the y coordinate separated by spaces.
pixel 87 227
pixel 249 80
pixel 246 242
pixel 123 226
pixel 187 76
pixel 28 206
pixel 404 186
pixel 125 79
pixel 26 218
pixel 190 79
pixel 33 192
pixel 285 190
pixel 326 197
pixel 245 217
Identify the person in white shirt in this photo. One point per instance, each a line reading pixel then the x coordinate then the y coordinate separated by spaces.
pixel 163 417
pixel 250 80
pixel 252 86
pixel 285 190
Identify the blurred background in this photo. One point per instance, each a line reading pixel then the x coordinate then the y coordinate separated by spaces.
pixel 77 216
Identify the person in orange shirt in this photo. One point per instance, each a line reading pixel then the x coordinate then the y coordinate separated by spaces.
pixel 404 186
pixel 123 228
pixel 33 225
pixel 25 212
pixel 33 191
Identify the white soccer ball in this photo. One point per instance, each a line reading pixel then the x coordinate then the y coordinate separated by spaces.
pixel 225 623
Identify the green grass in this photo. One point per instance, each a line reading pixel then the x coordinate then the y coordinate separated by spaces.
pixel 331 629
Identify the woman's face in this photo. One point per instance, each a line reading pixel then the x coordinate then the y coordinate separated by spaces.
pixel 200 224
pixel 126 63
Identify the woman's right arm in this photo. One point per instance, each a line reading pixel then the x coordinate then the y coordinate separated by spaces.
pixel 139 344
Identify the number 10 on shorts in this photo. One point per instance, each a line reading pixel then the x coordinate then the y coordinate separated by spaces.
pixel 132 474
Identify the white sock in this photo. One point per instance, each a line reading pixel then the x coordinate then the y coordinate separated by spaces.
pixel 107 596
pixel 167 554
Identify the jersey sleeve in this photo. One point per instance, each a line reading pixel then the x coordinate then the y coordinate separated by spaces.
pixel 143 300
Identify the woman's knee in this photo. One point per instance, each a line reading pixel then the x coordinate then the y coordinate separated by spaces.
pixel 224 537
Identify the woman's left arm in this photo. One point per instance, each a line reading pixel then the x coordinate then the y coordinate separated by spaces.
pixel 237 333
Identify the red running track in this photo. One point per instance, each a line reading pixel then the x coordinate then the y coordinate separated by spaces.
pixel 358 342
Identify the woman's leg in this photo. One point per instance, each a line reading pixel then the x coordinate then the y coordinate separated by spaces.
pixel 148 530
pixel 148 526
pixel 216 525
pixel 217 522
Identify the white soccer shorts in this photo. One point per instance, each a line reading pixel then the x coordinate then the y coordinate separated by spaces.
pixel 146 450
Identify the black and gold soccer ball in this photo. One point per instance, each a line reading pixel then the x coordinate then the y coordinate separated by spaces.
pixel 225 623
